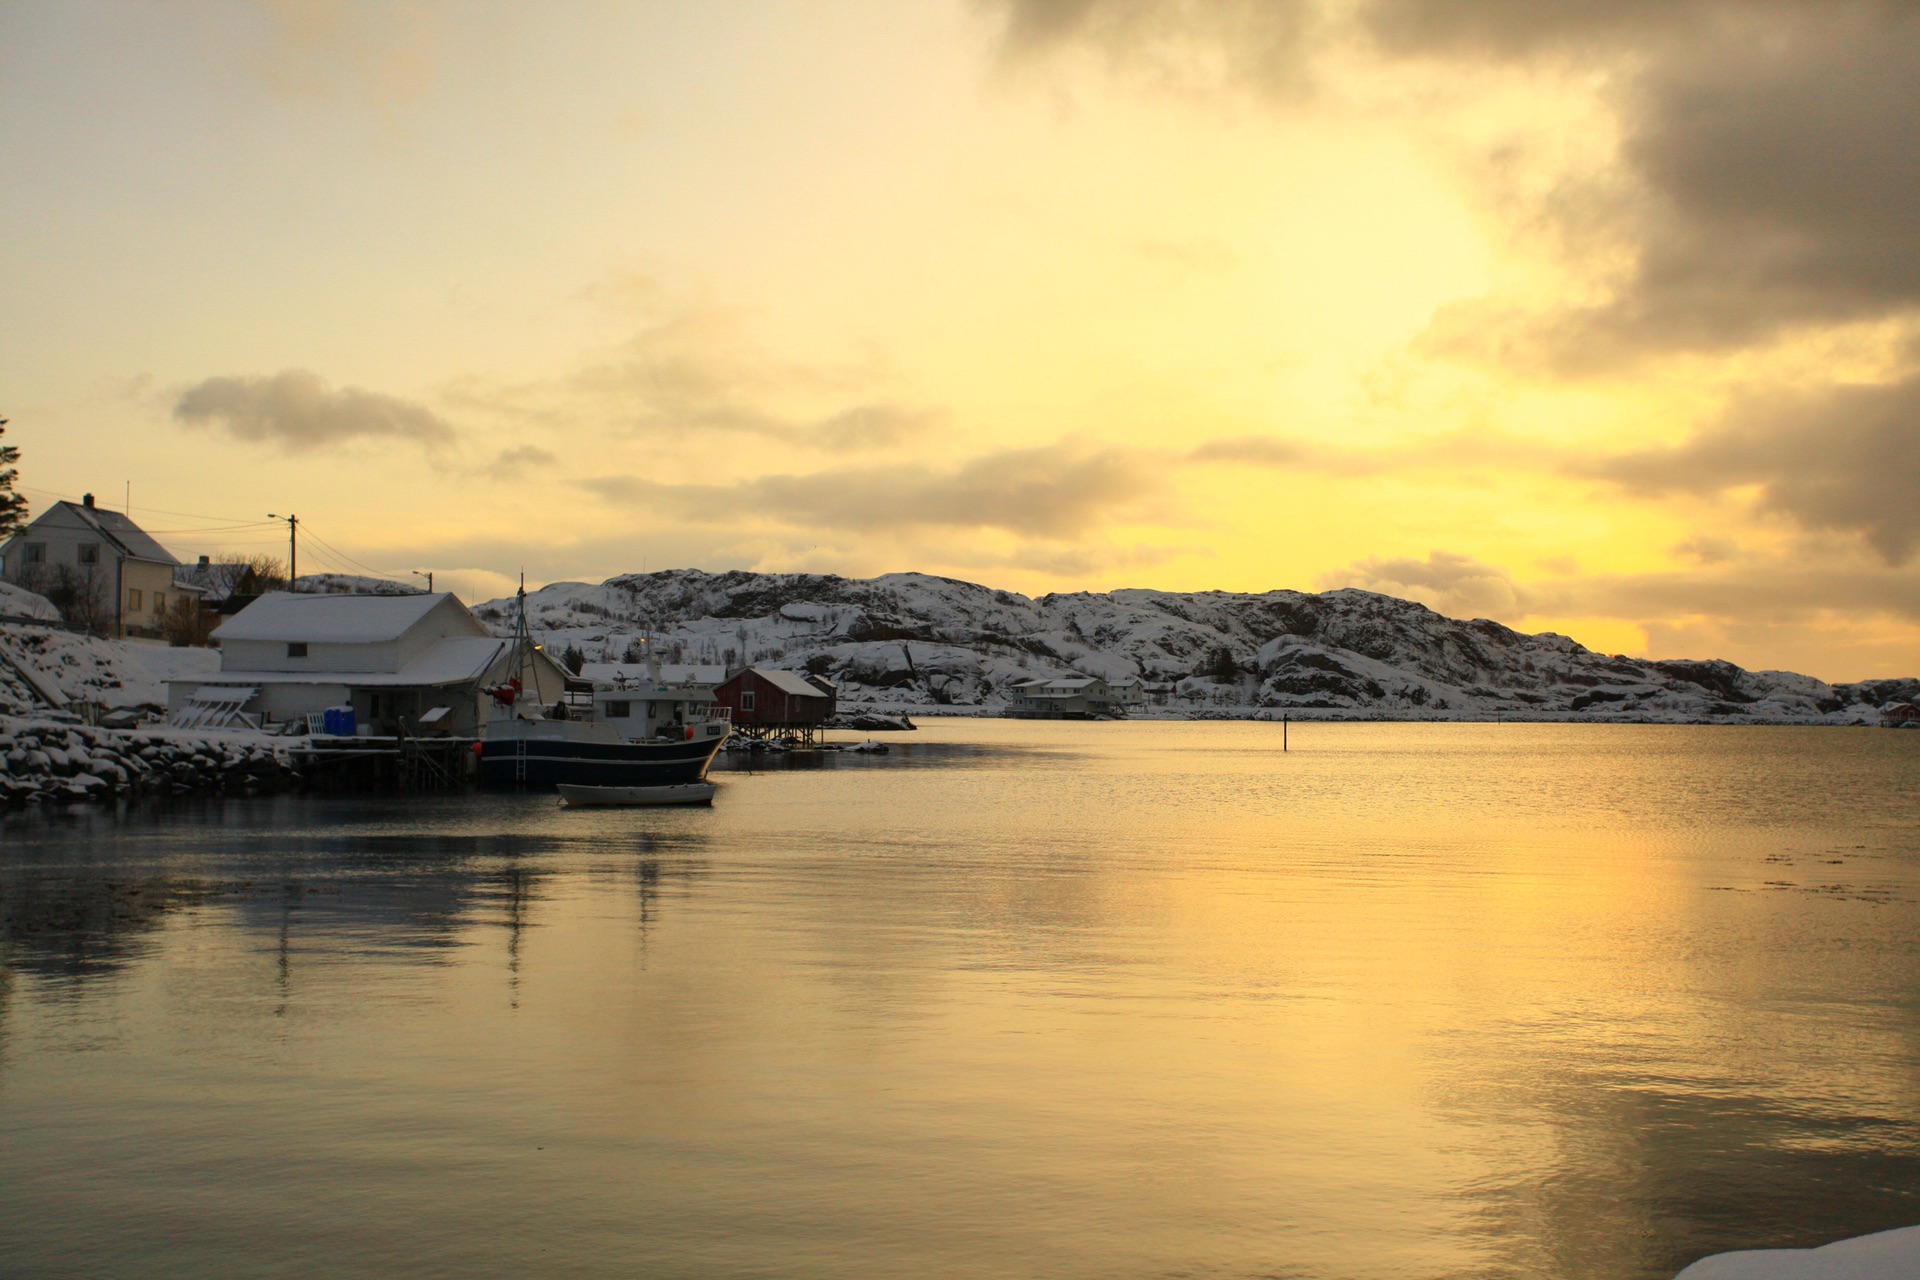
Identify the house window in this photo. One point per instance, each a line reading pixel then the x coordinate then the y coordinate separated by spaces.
pixel 134 601
pixel 746 700
pixel 159 602
pixel 619 710
pixel 89 553
pixel 36 553
pixel 296 648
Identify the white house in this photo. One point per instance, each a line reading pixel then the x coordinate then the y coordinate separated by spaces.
pixel 103 568
pixel 1072 698
pixel 395 660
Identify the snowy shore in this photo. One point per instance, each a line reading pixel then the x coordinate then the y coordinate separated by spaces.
pixel 1887 1255
pixel 44 762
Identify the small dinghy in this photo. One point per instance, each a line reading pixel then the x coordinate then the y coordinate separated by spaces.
pixel 575 796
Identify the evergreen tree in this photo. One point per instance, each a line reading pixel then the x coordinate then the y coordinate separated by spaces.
pixel 13 506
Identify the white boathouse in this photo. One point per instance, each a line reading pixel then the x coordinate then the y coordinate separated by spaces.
pixel 414 663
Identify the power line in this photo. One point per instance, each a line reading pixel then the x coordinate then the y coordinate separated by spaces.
pixel 364 568
pixel 186 515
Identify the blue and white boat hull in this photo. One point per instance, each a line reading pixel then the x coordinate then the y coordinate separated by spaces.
pixel 547 758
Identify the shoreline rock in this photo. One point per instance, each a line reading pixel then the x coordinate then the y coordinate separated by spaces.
pixel 44 761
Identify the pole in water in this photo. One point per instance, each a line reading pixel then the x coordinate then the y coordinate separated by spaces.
pixel 1283 733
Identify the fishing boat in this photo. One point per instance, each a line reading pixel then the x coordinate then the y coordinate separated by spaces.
pixel 578 797
pixel 626 733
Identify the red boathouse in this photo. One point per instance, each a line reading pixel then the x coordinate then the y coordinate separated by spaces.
pixel 776 704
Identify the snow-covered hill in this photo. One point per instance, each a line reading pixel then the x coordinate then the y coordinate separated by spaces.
pixel 908 641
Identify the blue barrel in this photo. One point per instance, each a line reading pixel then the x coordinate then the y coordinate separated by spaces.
pixel 347 726
pixel 330 721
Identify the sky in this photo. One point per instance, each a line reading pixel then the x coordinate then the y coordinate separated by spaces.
pixel 1592 316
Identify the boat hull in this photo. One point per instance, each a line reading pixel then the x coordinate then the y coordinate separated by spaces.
pixel 604 797
pixel 548 762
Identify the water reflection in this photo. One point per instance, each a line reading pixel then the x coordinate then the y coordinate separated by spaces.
pixel 1099 1000
pixel 83 895
pixel 1643 1177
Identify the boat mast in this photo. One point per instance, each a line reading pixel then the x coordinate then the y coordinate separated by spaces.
pixel 523 664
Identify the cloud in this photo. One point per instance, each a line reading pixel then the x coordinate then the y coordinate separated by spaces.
pixel 518 461
pixel 1446 582
pixel 1765 182
pixel 1766 178
pixel 296 410
pixel 1179 44
pixel 386 54
pixel 1056 491
pixel 1461 450
pixel 1260 451
pixel 1783 183
pixel 697 370
pixel 1523 28
pixel 1842 459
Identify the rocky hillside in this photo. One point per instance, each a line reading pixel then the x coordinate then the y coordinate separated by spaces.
pixel 912 642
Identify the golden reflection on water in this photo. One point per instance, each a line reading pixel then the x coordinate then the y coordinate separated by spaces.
pixel 1017 999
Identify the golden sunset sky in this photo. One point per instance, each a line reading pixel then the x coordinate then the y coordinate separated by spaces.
pixel 1588 317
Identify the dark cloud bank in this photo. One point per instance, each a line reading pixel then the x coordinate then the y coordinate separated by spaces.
pixel 1771 142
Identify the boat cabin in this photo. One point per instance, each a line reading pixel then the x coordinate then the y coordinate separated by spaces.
pixel 654 709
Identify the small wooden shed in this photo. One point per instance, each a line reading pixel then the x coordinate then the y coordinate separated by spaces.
pixel 780 704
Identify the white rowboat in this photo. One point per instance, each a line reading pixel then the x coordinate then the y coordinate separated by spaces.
pixel 575 796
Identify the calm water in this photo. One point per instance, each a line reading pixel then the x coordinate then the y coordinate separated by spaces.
pixel 1104 1000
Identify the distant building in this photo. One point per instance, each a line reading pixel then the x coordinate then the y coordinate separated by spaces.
pixel 225 587
pixel 776 703
pixel 673 673
pixel 1897 715
pixel 395 660
pixel 102 570
pixel 1073 698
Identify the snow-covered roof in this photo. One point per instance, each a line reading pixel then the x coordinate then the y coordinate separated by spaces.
pixel 216 580
pixel 789 682
pixel 281 615
pixel 456 660
pixel 1063 684
pixel 124 533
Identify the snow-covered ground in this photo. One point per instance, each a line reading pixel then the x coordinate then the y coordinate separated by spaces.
pixel 16 602
pixel 914 643
pixel 114 673
pixel 1889 1255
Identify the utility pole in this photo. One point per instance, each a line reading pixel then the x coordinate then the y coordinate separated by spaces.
pixel 428 575
pixel 293 547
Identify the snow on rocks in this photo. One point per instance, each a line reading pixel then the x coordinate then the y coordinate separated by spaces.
pixel 1886 1255
pixel 43 761
pixel 18 602
pixel 909 642
pixel 120 675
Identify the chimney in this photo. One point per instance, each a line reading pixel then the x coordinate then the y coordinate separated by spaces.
pixel 204 561
pixel 86 500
